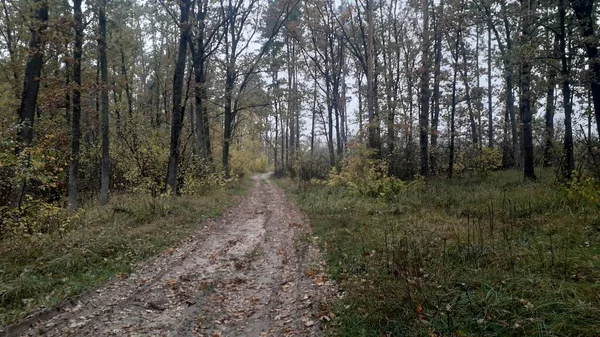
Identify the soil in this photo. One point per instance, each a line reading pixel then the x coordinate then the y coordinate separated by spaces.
pixel 254 272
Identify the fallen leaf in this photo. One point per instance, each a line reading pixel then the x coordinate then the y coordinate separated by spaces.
pixel 172 283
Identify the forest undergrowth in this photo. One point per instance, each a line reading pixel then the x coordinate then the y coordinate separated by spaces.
pixel 471 256
pixel 98 243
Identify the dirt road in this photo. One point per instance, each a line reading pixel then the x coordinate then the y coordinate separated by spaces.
pixel 255 272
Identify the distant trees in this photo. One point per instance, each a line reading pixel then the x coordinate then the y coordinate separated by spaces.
pixel 254 81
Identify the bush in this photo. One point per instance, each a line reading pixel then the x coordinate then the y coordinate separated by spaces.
pixel 312 167
pixel 366 176
pixel 584 191
pixel 478 162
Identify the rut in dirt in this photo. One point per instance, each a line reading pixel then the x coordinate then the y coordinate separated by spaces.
pixel 255 272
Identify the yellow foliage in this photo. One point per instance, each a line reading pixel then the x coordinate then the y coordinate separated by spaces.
pixel 366 176
pixel 247 156
pixel 480 162
pixel 584 190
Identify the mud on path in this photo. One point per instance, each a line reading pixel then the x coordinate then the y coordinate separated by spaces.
pixel 255 272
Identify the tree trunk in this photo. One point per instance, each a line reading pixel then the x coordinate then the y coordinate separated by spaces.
pixel 465 76
pixel 105 176
pixel 526 116
pixel 549 118
pixel 584 12
pixel 76 114
pixel 177 116
pixel 489 91
pixel 436 88
pixel 202 122
pixel 453 107
pixel 569 163
pixel 373 126
pixel 424 115
pixel 33 70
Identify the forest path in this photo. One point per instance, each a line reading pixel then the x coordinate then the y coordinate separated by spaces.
pixel 254 272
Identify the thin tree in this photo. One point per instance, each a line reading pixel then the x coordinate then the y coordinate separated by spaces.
pixel 424 113
pixel 584 11
pixel 73 188
pixel 105 175
pixel 525 73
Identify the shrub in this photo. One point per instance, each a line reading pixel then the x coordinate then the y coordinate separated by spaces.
pixel 584 191
pixel 366 176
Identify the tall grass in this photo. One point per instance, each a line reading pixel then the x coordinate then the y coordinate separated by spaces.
pixel 464 257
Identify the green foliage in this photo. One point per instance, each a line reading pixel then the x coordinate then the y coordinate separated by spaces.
pixel 478 162
pixel 487 160
pixel 584 191
pixel 201 178
pixel 31 185
pixel 465 257
pixel 364 176
pixel 248 156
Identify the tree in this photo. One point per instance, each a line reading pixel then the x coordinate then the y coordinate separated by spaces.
pixel 76 114
pixel 33 70
pixel 565 72
pixel 102 46
pixel 584 12
pixel 31 83
pixel 424 114
pixel 525 74
pixel 178 108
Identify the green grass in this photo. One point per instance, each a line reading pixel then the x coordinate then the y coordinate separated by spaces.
pixel 44 270
pixel 465 257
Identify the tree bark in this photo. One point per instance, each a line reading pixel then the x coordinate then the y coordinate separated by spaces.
pixel 526 116
pixel 584 12
pixel 436 88
pixel 73 188
pixel 453 107
pixel 373 127
pixel 177 116
pixel 489 90
pixel 33 70
pixel 424 115
pixel 105 175
pixel 202 123
pixel 569 163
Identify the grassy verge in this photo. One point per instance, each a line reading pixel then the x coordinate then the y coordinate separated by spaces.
pixel 103 242
pixel 466 257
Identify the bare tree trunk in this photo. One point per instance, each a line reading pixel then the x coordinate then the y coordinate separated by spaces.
pixel 202 122
pixel 105 176
pixel 549 118
pixel 177 117
pixel 526 116
pixel 373 126
pixel 489 90
pixel 569 163
pixel 424 115
pixel 314 114
pixel 465 76
pixel 453 107
pixel 436 88
pixel 291 95
pixel 76 114
pixel 33 70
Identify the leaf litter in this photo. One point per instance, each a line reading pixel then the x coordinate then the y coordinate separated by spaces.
pixel 250 273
